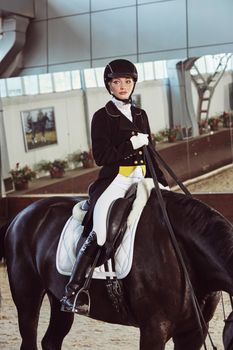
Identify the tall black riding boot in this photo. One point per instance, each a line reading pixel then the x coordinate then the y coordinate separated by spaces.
pixel 84 260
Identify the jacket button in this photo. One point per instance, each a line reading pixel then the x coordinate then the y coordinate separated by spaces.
pixel 135 162
pixel 140 152
pixel 132 133
pixel 141 161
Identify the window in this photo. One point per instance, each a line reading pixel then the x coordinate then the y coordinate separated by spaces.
pixel 201 66
pixel 31 85
pixel 14 86
pixel 140 70
pixel 62 81
pixel 75 79
pixel 148 71
pixel 100 76
pixel 211 64
pixel 160 70
pixel 90 78
pixel 3 91
pixel 45 83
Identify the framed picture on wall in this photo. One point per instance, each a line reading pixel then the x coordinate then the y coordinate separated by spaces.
pixel 39 128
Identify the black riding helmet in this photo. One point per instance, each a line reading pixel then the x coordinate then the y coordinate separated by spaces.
pixel 119 68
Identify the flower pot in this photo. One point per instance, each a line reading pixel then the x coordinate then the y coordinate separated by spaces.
pixel 88 163
pixel 214 127
pixel 171 138
pixel 56 173
pixel 226 123
pixel 20 186
pixel 203 130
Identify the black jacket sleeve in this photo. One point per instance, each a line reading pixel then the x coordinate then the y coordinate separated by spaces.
pixel 103 148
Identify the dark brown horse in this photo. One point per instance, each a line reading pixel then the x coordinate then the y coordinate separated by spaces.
pixel 156 291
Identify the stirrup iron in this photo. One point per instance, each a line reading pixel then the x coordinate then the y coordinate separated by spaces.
pixel 85 290
pixel 82 309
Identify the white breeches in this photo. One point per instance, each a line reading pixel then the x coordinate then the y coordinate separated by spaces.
pixel 116 189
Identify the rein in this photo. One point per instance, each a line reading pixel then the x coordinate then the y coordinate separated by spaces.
pixel 169 170
pixel 198 312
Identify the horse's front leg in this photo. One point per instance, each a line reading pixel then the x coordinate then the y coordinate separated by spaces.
pixel 59 326
pixel 153 335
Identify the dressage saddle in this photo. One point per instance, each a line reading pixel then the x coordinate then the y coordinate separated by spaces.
pixel 117 220
pixel 116 224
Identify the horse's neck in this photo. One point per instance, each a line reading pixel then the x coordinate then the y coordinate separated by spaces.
pixel 212 251
pixel 207 238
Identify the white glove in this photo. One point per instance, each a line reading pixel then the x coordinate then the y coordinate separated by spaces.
pixel 139 140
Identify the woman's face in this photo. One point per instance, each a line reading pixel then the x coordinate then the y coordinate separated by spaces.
pixel 121 87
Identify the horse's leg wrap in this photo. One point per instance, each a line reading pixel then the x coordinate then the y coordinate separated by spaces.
pixel 84 260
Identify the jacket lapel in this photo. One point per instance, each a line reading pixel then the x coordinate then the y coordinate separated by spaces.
pixel 137 116
pixel 125 123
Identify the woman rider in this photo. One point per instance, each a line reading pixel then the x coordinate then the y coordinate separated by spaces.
pixel 118 132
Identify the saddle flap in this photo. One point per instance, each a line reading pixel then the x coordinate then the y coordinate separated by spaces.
pixel 117 220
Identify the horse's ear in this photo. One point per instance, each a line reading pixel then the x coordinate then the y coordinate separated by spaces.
pixel 228 333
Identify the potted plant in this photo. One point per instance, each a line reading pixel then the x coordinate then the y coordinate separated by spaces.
pixel 213 123
pixel 21 176
pixel 203 126
pixel 156 138
pixel 75 159
pixel 55 168
pixel 227 119
pixel 86 157
pixel 172 134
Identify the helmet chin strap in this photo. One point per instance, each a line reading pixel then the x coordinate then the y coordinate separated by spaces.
pixel 126 100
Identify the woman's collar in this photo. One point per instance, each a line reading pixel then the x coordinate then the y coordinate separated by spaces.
pixel 113 111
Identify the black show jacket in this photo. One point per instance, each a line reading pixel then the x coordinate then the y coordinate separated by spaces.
pixel 111 146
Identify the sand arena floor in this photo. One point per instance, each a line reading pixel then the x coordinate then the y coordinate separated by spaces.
pixel 95 335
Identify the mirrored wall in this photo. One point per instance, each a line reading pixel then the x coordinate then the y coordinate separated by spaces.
pixel 47 118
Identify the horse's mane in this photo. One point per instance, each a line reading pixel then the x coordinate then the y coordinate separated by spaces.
pixel 196 222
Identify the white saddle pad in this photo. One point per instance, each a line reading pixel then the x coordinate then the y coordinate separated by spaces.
pixel 72 231
pixel 67 247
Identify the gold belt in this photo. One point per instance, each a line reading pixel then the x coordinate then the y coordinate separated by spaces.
pixel 128 169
